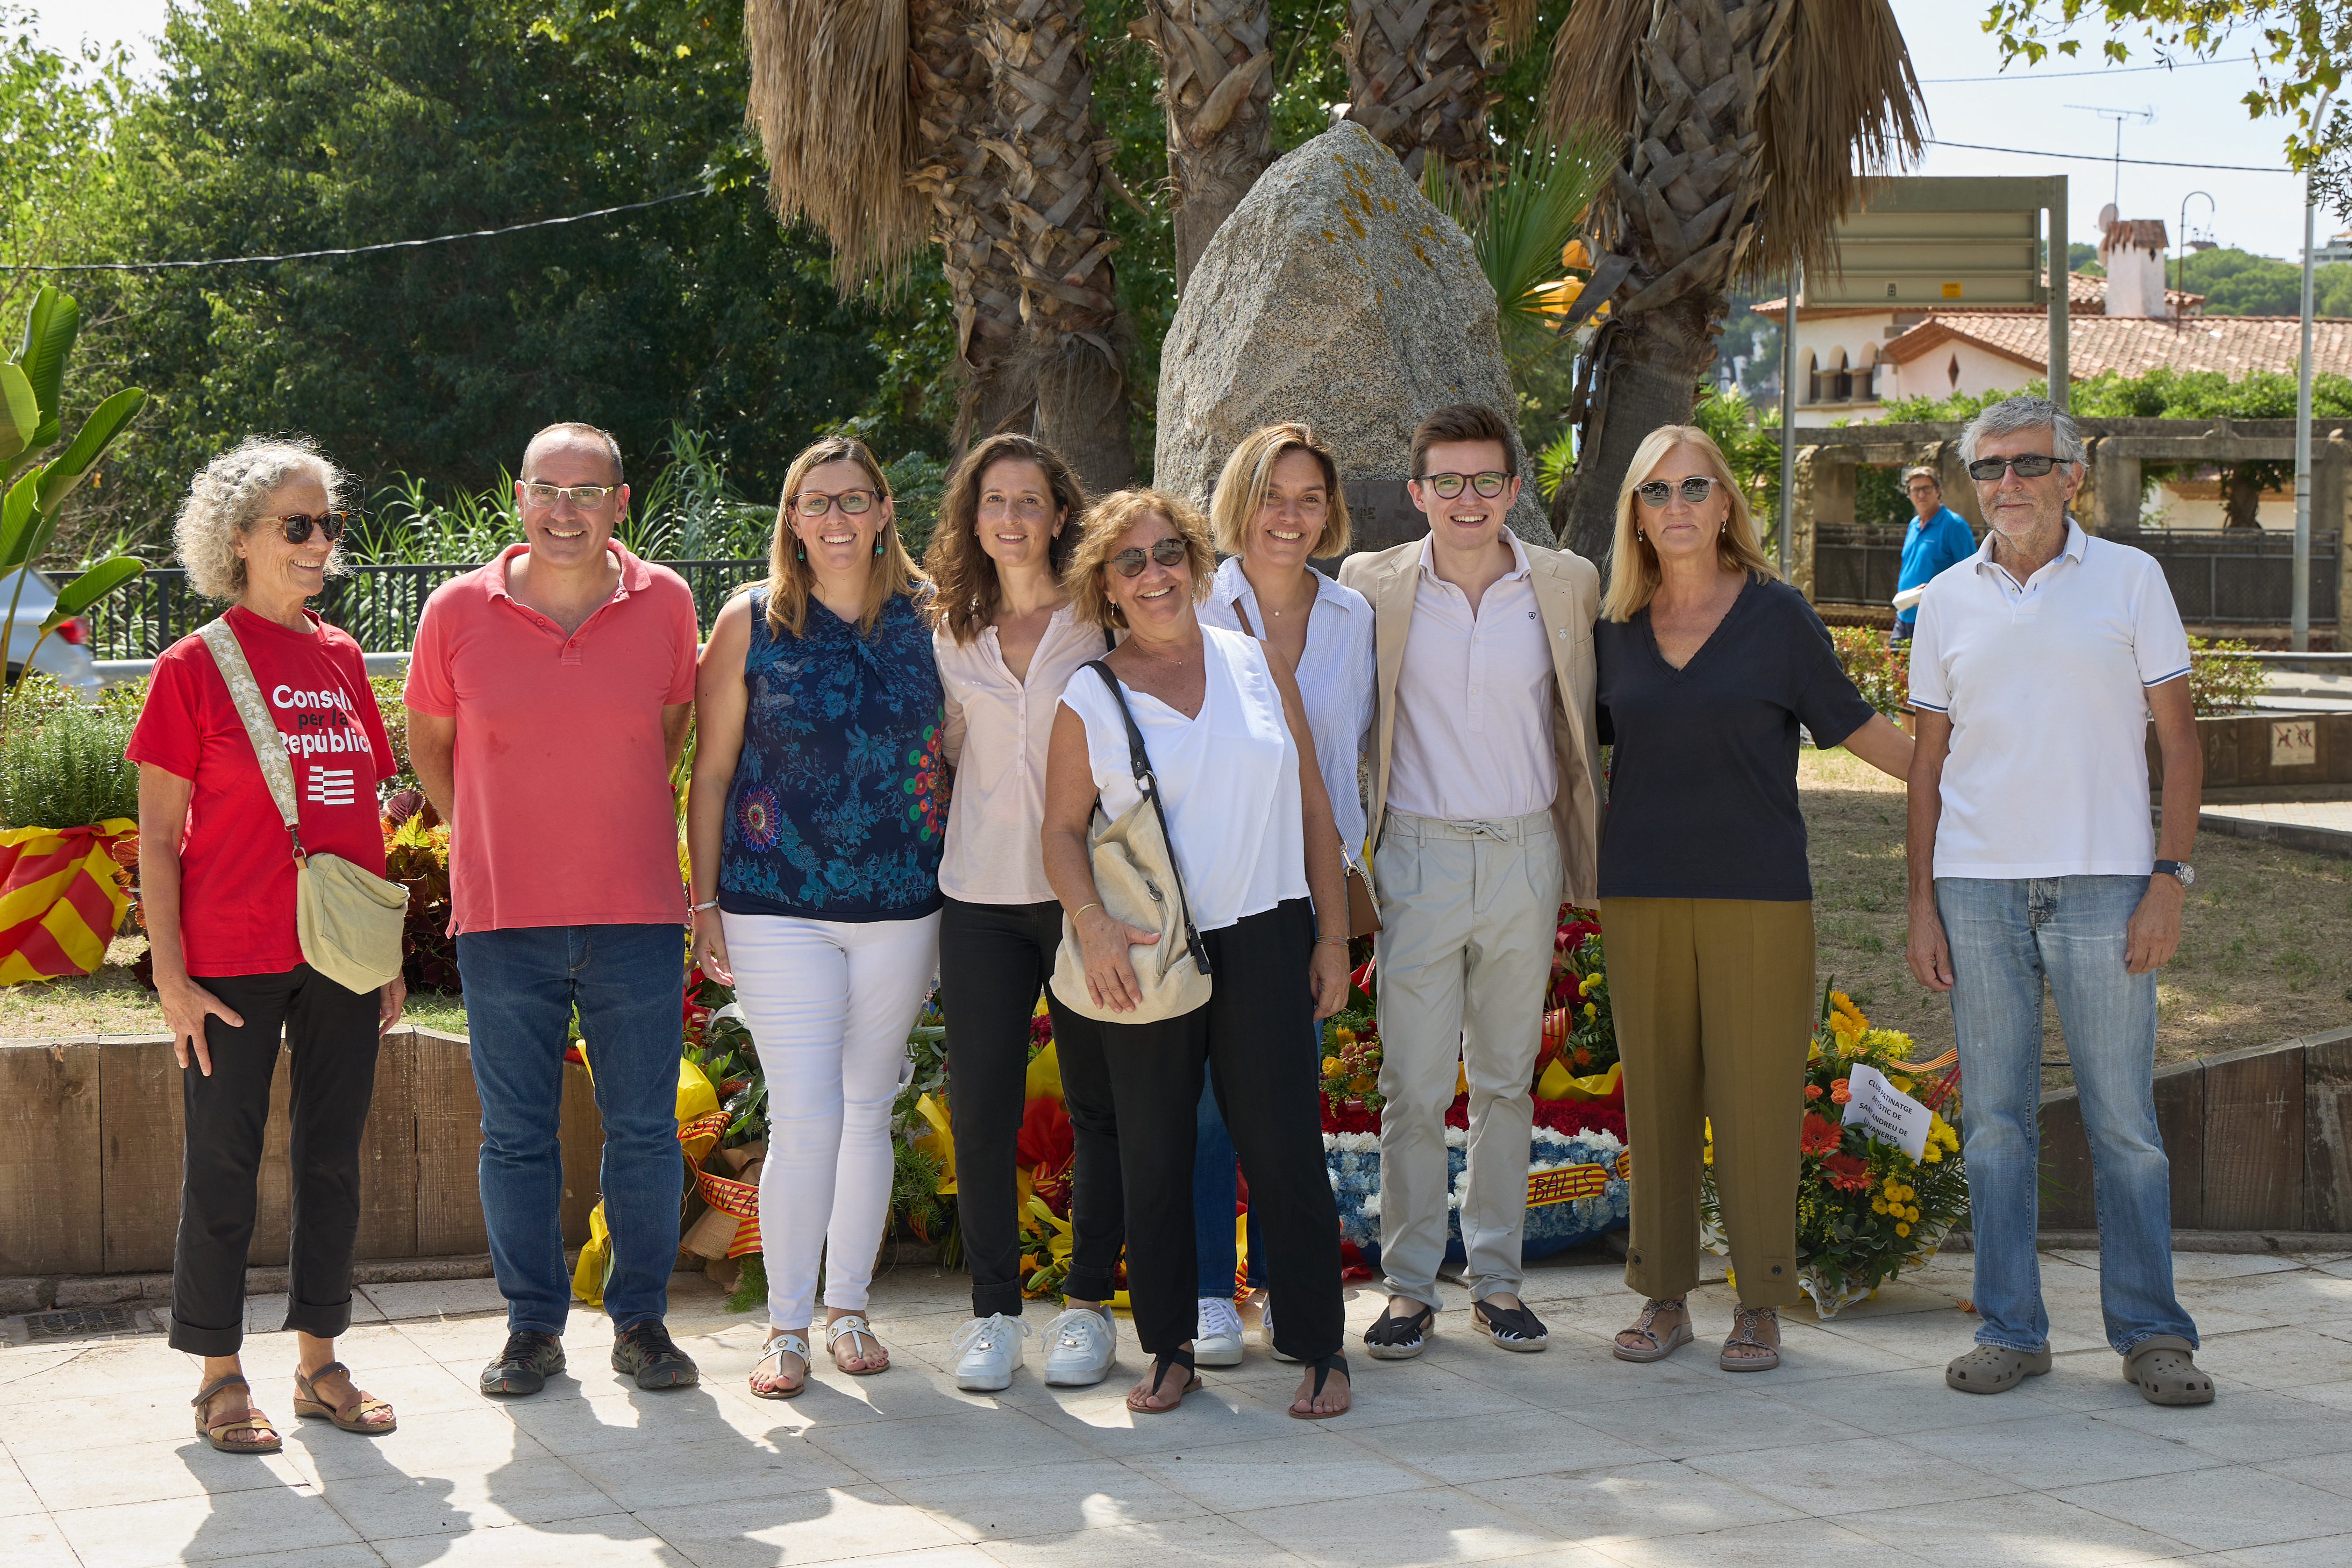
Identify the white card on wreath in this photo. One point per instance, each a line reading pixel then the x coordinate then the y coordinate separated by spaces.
pixel 1884 1111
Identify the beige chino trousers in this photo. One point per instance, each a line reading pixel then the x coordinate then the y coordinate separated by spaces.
pixel 1468 910
pixel 1713 1000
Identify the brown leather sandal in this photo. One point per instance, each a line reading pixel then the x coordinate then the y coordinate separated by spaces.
pixel 221 1433
pixel 1744 1321
pixel 1661 1346
pixel 348 1419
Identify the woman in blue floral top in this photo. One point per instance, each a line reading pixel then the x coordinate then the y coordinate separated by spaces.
pixel 818 811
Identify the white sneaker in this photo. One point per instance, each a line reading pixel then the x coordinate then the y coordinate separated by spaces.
pixel 1218 1339
pixel 990 1349
pixel 1265 1328
pixel 1080 1344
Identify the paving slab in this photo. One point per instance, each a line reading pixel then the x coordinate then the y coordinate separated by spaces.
pixel 1854 1453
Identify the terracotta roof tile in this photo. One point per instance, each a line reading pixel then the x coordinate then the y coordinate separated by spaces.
pixel 2234 345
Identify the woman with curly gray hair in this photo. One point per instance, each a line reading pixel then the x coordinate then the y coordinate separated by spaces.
pixel 216 875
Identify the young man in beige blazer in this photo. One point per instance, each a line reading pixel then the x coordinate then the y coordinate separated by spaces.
pixel 1483 817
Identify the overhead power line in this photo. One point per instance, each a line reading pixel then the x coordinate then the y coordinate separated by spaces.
pixel 355 249
pixel 2104 158
pixel 2030 74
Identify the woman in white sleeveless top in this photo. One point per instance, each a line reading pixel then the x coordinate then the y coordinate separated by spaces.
pixel 1251 829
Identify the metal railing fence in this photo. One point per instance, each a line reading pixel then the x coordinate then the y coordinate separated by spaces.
pixel 379 605
pixel 2231 576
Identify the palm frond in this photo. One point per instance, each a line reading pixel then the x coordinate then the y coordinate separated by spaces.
pixel 1520 224
pixel 1843 108
pixel 1838 105
pixel 831 95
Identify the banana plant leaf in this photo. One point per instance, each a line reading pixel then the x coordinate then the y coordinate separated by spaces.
pixel 16 514
pixel 60 478
pixel 92 586
pixel 50 328
pixel 20 411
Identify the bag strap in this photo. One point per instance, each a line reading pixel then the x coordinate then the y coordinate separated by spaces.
pixel 1146 783
pixel 269 746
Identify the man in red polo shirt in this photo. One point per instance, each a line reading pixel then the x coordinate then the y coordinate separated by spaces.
pixel 548 697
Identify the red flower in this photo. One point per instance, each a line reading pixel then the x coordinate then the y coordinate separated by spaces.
pixel 1821 1136
pixel 1813 1091
pixel 1847 1173
pixel 1045 1138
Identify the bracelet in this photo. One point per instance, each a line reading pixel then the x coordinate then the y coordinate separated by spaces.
pixel 1082 910
pixel 710 904
pixel 1340 940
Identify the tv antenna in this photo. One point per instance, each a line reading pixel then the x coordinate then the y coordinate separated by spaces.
pixel 2145 116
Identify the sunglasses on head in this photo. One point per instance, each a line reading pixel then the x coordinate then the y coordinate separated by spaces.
pixel 1694 489
pixel 2030 466
pixel 1169 551
pixel 296 526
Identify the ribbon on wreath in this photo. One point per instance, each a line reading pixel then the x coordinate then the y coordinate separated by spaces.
pixel 740 1199
pixel 61 898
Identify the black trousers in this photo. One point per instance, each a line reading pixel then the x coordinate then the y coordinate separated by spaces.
pixel 993 960
pixel 331 1036
pixel 1255 1036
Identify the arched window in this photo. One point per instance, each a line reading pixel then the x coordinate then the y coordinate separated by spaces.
pixel 1952 373
pixel 1812 379
pixel 1865 374
pixel 1842 382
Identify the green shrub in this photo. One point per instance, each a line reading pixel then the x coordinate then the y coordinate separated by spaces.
pixel 2221 680
pixel 68 768
pixel 1882 674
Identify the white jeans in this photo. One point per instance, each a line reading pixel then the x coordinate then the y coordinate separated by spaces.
pixel 829 1003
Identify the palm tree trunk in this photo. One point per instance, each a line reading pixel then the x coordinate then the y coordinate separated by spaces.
pixel 1417 74
pixel 1073 334
pixel 1217 87
pixel 1682 210
pixel 966 188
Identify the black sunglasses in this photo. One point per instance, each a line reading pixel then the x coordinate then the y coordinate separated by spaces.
pixel 1694 489
pixel 2031 465
pixel 1169 551
pixel 296 526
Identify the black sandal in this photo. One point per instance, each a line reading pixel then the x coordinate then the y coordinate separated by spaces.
pixel 1513 1328
pixel 1160 1364
pixel 1323 1370
pixel 1400 1338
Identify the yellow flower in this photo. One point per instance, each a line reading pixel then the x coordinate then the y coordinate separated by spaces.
pixel 1331 1065
pixel 1902 1230
pixel 1343 1037
pixel 1877 1207
pixel 1591 1010
pixel 1899 1081
pixel 1932 1155
pixel 1912 1214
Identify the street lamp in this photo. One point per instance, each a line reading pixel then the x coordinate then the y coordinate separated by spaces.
pixel 2181 238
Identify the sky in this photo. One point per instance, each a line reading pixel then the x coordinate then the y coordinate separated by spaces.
pixel 2197 120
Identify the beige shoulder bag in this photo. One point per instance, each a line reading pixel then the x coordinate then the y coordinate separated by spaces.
pixel 349 920
pixel 1137 879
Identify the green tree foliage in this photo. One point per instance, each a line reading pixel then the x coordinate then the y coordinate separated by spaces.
pixel 2161 394
pixel 2236 283
pixel 54 110
pixel 2301 46
pixel 284 125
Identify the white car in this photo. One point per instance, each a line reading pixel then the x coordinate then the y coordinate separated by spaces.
pixel 63 653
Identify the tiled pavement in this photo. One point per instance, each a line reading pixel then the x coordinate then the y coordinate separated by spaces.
pixel 1854 1453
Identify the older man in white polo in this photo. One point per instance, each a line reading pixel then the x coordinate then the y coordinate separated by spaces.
pixel 2035 667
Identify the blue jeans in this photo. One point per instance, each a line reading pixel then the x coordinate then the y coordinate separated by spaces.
pixel 521 985
pixel 2006 938
pixel 1214 1193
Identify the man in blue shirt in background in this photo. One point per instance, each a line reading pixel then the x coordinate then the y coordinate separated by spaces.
pixel 1937 538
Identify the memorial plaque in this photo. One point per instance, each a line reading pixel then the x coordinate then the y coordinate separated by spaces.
pixel 2295 744
pixel 1381 513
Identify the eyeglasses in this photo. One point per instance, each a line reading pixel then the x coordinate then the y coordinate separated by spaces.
pixel 587 497
pixel 1694 489
pixel 853 503
pixel 2029 465
pixel 1171 552
pixel 296 526
pixel 1489 484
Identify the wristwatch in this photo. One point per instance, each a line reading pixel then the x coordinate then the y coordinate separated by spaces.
pixel 2180 871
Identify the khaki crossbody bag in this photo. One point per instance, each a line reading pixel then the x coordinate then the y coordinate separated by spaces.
pixel 349 920
pixel 1137 879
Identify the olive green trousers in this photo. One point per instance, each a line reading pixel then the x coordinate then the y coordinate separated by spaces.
pixel 1713 1000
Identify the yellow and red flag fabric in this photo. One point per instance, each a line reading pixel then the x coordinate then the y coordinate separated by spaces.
pixel 61 899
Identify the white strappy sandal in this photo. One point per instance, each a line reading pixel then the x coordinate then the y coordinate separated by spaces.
pixel 777 1347
pixel 851 1327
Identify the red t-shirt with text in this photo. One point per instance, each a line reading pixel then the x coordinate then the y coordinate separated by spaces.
pixel 236 863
